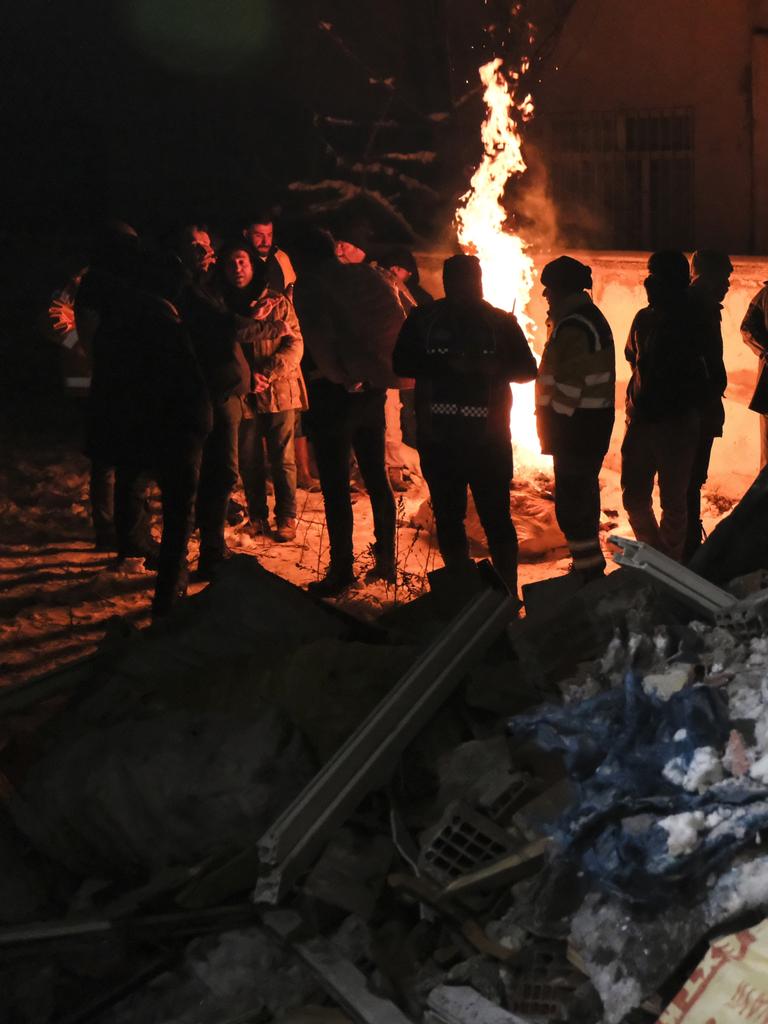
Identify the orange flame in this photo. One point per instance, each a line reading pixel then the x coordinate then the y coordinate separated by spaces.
pixel 508 271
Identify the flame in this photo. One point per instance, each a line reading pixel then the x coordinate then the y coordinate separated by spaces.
pixel 508 271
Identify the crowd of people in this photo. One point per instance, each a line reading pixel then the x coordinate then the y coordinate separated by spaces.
pixel 204 364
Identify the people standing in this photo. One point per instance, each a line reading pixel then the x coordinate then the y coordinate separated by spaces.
pixel 664 397
pixel 463 354
pixel 754 331
pixel 352 247
pixel 711 271
pixel 350 319
pixel 213 332
pixel 269 334
pixel 575 406
pixel 106 322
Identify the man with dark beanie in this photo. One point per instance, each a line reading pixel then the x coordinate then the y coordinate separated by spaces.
pixel 575 406
pixel 463 354
pixel 664 396
pixel 709 286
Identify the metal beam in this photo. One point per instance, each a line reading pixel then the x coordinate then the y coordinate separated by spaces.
pixel 369 756
pixel 689 587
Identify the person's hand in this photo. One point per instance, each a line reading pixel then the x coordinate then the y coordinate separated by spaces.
pixel 62 316
pixel 260 383
pixel 261 308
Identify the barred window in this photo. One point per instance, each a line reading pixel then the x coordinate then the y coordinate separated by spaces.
pixel 621 180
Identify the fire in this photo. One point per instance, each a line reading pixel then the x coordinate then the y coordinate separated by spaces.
pixel 508 271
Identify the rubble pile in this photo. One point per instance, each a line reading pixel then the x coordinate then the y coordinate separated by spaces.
pixel 266 811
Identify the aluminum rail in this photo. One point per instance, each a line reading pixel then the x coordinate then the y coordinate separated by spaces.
pixel 689 586
pixel 368 757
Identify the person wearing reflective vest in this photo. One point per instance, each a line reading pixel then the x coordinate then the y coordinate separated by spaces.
pixel 575 406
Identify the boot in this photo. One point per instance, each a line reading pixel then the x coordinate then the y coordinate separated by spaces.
pixel 210 562
pixel 336 581
pixel 286 530
pixel 504 559
pixel 384 568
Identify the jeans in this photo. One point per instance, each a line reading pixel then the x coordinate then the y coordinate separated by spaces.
pixel 218 475
pixel 277 429
pixel 134 538
pixel 342 423
pixel 699 471
pixel 486 468
pixel 667 448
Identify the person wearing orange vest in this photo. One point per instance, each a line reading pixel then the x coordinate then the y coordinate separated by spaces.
pixel 575 406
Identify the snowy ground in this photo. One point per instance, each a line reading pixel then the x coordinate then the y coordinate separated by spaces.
pixel 59 597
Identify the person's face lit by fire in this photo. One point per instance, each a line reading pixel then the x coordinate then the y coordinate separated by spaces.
pixel 199 254
pixel 400 273
pixel 238 268
pixel 261 237
pixel 348 252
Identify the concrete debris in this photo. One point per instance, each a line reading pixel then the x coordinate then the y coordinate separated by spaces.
pixel 415 854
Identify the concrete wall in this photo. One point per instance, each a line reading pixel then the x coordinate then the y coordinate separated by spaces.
pixel 625 55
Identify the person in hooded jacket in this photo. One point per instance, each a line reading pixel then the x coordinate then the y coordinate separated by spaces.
pixel 269 334
pixel 575 406
pixel 105 315
pixel 710 281
pixel 350 318
pixel 463 354
pixel 754 333
pixel 664 397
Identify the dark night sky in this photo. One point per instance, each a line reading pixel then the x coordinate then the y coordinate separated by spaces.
pixel 133 107
pixel 158 109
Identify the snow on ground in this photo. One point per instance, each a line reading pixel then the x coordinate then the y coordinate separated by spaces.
pixel 59 597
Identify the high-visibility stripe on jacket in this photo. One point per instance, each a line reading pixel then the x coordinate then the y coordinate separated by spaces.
pixel 577 369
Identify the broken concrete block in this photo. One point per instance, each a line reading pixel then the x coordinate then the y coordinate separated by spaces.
pixel 464 772
pixel 459 1004
pixel 541 986
pixel 483 974
pixel 463 841
pixel 664 684
pixel 351 871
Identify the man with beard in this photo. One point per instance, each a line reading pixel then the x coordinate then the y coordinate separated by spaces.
pixel 259 233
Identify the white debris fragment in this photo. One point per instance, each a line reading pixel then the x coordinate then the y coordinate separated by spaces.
pixel 759 770
pixel 674 771
pixel 664 684
pixel 705 769
pixel 682 831
pixel 758 647
pixel 681 734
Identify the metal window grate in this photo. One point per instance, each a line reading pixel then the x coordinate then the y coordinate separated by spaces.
pixel 622 180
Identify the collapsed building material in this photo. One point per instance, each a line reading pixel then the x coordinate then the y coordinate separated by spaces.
pixel 739 543
pixel 696 591
pixel 347 985
pixel 469 929
pixel 367 759
pixel 458 1004
pixel 502 872
pixel 731 981
pixel 463 841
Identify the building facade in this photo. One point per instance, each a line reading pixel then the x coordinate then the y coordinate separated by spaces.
pixel 652 124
